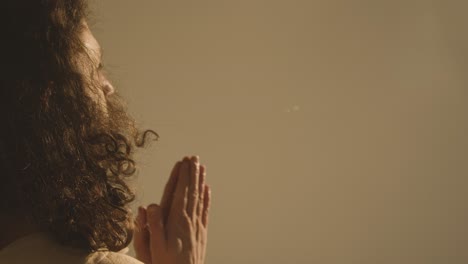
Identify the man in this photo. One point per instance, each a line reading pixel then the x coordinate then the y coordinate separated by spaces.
pixel 66 150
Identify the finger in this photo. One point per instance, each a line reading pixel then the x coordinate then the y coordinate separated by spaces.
pixel 201 190
pixel 206 206
pixel 202 241
pixel 179 204
pixel 167 198
pixel 156 230
pixel 205 221
pixel 200 238
pixel 141 238
pixel 179 227
pixel 193 187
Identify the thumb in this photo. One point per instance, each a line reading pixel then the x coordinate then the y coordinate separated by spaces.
pixel 156 229
pixel 141 237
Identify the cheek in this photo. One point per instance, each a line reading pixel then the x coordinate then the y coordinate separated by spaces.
pixel 98 97
pixel 95 94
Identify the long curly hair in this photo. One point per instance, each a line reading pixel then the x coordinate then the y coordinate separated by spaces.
pixel 64 163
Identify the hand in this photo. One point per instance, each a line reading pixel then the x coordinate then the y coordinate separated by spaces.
pixel 175 232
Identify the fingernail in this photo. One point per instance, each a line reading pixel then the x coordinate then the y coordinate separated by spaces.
pixel 152 209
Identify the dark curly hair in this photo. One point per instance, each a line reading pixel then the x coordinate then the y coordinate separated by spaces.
pixel 63 162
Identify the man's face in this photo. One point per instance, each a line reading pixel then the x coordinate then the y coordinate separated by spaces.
pixel 95 53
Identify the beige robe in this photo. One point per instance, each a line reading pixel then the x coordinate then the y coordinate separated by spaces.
pixel 41 248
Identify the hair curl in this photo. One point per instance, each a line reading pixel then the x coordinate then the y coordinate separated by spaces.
pixel 63 163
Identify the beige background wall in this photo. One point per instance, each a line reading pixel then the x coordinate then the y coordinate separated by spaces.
pixel 332 131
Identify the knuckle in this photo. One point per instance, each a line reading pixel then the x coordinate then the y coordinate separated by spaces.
pixel 185 217
pixel 152 222
pixel 200 224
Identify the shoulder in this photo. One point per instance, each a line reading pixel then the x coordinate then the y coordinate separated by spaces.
pixel 109 257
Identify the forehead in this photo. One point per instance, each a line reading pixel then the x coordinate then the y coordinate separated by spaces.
pixel 92 45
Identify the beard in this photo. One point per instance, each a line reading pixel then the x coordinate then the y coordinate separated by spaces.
pixel 116 129
pixel 75 185
pixel 113 117
pixel 115 134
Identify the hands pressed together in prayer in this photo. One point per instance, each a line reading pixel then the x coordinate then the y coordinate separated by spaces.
pixel 175 231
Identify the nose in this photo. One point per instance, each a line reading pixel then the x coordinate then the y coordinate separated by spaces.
pixel 107 88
